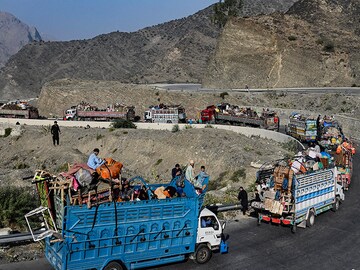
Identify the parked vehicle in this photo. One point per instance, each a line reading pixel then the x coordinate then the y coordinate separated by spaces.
pixel 301 127
pixel 171 114
pixel 19 110
pixel 88 112
pixel 295 199
pixel 233 115
pixel 133 234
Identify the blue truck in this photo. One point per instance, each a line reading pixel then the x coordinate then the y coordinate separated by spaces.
pixel 135 234
pixel 295 199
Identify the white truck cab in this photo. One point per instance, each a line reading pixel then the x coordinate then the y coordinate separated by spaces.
pixel 209 229
pixel 70 114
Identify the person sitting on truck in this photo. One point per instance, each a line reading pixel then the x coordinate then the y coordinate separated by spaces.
pixel 202 180
pixel 189 173
pixel 176 171
pixel 127 193
pixel 94 161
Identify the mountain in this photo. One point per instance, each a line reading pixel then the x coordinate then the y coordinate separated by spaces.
pixel 315 44
pixel 14 34
pixel 176 51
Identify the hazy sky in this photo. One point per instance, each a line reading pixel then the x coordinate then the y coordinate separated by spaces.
pixel 81 19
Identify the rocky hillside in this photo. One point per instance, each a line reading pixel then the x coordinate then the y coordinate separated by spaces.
pixel 315 44
pixel 14 34
pixel 176 51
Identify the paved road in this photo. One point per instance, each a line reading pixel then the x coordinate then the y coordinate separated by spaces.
pixel 315 90
pixel 332 244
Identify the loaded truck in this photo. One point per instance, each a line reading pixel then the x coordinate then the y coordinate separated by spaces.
pixel 19 110
pixel 130 234
pixel 301 127
pixel 296 199
pixel 343 158
pixel 93 113
pixel 171 114
pixel 233 115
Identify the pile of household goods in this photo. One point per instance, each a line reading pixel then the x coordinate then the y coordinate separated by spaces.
pixel 226 108
pixel 81 185
pixel 330 132
pixel 163 106
pixel 16 105
pixel 115 107
pixel 276 182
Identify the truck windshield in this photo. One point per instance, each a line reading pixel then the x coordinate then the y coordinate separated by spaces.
pixel 209 221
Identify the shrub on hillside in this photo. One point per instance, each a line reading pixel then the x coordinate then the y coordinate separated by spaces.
pixel 122 123
pixel 7 132
pixel 175 128
pixel 223 94
pixel 15 203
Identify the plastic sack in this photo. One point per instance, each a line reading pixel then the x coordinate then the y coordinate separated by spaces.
pixel 84 177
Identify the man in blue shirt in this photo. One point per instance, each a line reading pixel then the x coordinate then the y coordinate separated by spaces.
pixel 94 161
pixel 202 179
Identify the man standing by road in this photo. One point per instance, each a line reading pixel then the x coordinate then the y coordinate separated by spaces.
pixel 243 198
pixel 55 131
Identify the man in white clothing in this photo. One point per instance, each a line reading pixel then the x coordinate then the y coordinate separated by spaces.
pixel 189 173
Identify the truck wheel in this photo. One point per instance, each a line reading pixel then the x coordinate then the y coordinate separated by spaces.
pixel 311 219
pixel 203 254
pixel 336 204
pixel 114 266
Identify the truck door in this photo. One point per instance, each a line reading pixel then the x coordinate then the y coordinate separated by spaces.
pixel 209 230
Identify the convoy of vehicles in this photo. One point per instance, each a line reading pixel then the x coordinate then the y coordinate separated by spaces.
pixel 85 111
pixel 19 109
pixel 301 127
pixel 233 115
pixel 171 114
pixel 127 234
pixel 294 199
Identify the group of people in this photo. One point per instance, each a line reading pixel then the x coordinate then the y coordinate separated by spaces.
pixel 200 180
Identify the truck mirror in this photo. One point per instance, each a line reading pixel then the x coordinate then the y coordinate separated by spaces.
pixel 223 225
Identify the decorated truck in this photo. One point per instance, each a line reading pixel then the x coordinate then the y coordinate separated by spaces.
pixel 85 111
pixel 113 234
pixel 295 199
pixel 171 114
pixel 19 110
pixel 302 127
pixel 234 115
pixel 343 159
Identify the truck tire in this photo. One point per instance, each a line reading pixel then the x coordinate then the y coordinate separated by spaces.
pixel 203 254
pixel 336 204
pixel 311 219
pixel 114 266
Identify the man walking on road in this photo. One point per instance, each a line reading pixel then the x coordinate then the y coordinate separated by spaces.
pixel 55 131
